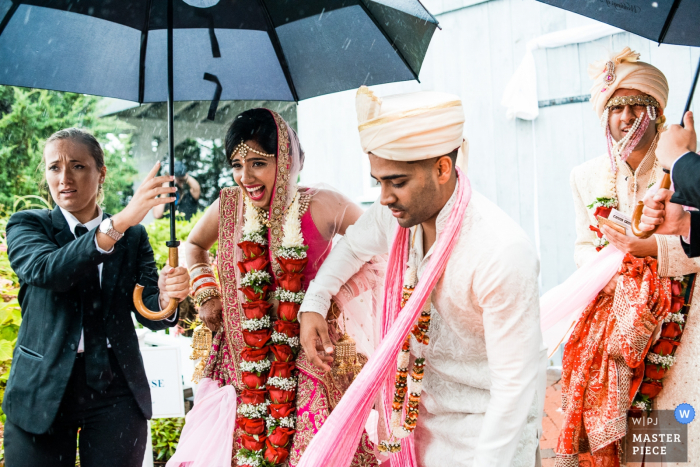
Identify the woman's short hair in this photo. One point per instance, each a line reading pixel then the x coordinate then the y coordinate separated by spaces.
pixel 84 137
pixel 254 124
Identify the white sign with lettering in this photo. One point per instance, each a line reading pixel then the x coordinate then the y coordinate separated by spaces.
pixel 164 376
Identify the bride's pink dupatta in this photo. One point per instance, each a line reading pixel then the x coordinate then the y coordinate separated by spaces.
pixel 335 444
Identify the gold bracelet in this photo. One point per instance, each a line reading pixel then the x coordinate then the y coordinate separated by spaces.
pixel 206 295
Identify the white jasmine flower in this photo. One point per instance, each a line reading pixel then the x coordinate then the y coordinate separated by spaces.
pixel 287 296
pixel 675 318
pixel 253 411
pixel 252 222
pixel 286 384
pixel 256 278
pixel 255 367
pixel 665 361
pixel 292 236
pixel 285 422
pixel 256 324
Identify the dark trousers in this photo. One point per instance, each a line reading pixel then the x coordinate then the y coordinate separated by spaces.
pixel 108 426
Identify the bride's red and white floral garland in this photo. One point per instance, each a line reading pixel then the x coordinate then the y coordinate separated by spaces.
pixel 267 409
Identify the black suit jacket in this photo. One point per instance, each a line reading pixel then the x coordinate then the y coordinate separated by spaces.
pixel 686 182
pixel 51 263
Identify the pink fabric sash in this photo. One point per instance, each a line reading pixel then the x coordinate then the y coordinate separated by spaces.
pixel 562 306
pixel 206 438
pixel 343 429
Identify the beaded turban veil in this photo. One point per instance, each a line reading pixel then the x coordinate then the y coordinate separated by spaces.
pixel 411 127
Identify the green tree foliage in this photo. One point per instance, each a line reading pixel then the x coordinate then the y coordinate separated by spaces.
pixel 159 234
pixel 29 116
pixel 205 160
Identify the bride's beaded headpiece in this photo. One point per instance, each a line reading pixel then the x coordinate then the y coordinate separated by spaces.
pixel 243 149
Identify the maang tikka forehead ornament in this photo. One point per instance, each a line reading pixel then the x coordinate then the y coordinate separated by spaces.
pixel 243 149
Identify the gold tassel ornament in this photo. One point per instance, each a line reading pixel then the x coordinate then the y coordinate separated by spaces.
pixel 201 346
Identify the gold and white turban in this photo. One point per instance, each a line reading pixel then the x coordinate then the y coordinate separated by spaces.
pixel 410 127
pixel 624 70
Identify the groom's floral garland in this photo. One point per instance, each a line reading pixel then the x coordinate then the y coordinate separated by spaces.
pixel 266 412
pixel 404 385
pixel 661 356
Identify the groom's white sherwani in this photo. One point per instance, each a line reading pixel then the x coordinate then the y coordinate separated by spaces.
pixel 484 381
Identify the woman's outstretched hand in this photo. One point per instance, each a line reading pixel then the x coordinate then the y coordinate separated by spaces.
pixel 145 198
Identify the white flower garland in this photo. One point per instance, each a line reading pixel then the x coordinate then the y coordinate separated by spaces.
pixel 254 459
pixel 285 384
pixel 643 405
pixel 287 296
pixel 253 411
pixel 285 422
pixel 292 236
pixel 256 324
pixel 665 361
pixel 676 318
pixel 256 278
pixel 253 221
pixel 256 367
pixel 281 338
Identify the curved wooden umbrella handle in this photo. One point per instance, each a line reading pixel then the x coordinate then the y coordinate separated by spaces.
pixel 172 306
pixel 637 216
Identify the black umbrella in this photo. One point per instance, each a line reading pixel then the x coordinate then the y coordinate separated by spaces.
pixel 662 21
pixel 184 50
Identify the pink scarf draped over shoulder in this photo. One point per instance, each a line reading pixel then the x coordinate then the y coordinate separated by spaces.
pixel 335 444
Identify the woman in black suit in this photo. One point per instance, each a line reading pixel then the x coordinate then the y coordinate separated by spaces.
pixel 77 364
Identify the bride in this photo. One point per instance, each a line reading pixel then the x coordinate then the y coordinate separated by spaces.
pixel 272 238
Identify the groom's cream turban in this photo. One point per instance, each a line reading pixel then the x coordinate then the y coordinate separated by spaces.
pixel 623 70
pixel 410 127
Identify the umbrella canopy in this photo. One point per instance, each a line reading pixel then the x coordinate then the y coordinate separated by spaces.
pixel 662 21
pixel 255 49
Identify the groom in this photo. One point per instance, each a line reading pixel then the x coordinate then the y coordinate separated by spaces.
pixel 483 384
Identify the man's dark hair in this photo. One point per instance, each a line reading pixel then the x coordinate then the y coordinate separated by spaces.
pixel 254 124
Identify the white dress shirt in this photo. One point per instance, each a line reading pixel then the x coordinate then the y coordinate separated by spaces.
pixel 73 222
pixel 484 382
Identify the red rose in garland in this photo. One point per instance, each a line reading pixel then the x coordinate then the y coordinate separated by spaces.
pixel 676 288
pixel 602 211
pixel 291 281
pixel 282 369
pixel 256 264
pixel 252 295
pixel 257 339
pixel 252 426
pixel 253 396
pixel 671 330
pixel 651 389
pixel 280 396
pixel 654 371
pixel 677 304
pixel 281 410
pixel 253 380
pixel 596 230
pixel 287 328
pixel 252 444
pixel 274 454
pixel 280 436
pixel 282 352
pixel 252 249
pixel 251 354
pixel 292 265
pixel 256 309
pixel 664 347
pixel 288 311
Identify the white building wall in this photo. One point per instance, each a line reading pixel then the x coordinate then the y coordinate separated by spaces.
pixel 513 163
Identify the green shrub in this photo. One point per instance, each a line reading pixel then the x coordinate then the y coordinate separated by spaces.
pixel 10 314
pixel 166 434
